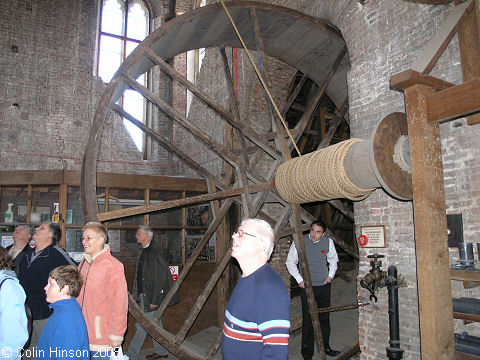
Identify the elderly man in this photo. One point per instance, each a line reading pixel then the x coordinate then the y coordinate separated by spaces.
pixel 257 319
pixel 21 238
pixel 33 275
pixel 151 282
pixel 319 249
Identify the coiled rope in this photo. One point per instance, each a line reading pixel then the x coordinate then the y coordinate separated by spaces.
pixel 318 176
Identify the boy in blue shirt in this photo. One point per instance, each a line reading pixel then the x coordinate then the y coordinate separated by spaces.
pixel 65 334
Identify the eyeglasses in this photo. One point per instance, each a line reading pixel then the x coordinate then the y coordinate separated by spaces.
pixel 318 232
pixel 241 233
pixel 89 238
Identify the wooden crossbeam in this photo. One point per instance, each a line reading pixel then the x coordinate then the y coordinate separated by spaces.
pixel 408 78
pixel 437 45
pixel 469 42
pixel 137 210
pixel 455 102
pixel 228 116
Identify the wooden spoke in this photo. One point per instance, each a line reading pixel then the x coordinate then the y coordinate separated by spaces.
pixel 249 159
pixel 232 120
pixel 318 95
pixel 138 210
pixel 193 258
pixel 167 145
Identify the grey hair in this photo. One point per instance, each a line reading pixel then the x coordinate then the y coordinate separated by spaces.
pixel 148 230
pixel 264 233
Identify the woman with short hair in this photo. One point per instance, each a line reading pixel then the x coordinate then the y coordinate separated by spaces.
pixel 104 294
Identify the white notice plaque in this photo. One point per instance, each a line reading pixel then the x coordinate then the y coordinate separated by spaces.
pixel 375 236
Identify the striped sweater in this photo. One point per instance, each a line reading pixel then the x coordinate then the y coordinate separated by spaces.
pixel 257 319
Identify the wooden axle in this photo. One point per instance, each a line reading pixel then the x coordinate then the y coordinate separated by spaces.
pixel 353 168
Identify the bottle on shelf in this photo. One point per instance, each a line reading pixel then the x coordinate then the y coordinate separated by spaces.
pixel 55 217
pixel 9 214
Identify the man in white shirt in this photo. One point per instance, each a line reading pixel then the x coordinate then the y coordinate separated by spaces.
pixel 320 250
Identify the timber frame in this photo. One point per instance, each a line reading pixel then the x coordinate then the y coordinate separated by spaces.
pixel 270 30
pixel 428 101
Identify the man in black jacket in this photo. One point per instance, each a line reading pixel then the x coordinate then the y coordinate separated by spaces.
pixel 21 239
pixel 33 275
pixel 151 282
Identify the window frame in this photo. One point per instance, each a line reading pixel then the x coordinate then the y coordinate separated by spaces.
pixel 125 40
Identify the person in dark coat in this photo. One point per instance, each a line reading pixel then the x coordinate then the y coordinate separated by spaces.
pixel 33 275
pixel 151 282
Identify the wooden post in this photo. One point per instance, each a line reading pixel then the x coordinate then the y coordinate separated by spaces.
pixel 469 41
pixel 433 268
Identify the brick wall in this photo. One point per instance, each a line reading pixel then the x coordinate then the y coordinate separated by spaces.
pixel 381 43
pixel 48 96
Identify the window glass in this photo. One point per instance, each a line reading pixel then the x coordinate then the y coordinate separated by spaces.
pixel 131 45
pixel 110 57
pixel 119 199
pixel 43 198
pixel 74 214
pixel 135 105
pixel 17 196
pixel 171 217
pixel 124 24
pixel 137 27
pixel 171 244
pixel 113 19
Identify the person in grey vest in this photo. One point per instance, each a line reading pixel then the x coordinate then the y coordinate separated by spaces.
pixel 320 250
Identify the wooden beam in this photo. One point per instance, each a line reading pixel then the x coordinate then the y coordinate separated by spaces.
pixel 160 334
pixel 280 141
pixel 114 180
pixel 433 267
pixel 137 210
pixel 408 78
pixel 469 42
pixel 163 142
pixel 455 102
pixel 193 258
pixel 228 116
pixel 437 45
pixel 318 95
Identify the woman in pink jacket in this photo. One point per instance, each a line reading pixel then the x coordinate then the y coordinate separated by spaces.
pixel 104 294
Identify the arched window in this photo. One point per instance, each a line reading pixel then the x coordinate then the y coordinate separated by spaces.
pixel 123 25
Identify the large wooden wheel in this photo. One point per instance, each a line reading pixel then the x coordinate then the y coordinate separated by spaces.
pixel 313 47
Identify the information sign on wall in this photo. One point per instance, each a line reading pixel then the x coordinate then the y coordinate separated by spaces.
pixel 372 236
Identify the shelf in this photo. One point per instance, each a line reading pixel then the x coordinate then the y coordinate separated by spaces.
pixel 464 316
pixel 470 278
pixel 464 356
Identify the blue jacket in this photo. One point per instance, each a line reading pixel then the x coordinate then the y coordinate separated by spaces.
pixel 65 333
pixel 33 275
pixel 13 320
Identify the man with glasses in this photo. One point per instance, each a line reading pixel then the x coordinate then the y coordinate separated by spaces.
pixel 21 238
pixel 33 275
pixel 320 250
pixel 257 319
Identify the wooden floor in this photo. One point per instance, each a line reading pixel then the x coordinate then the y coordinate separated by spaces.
pixel 344 324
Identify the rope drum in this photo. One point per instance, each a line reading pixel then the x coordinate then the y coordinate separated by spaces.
pixel 318 176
